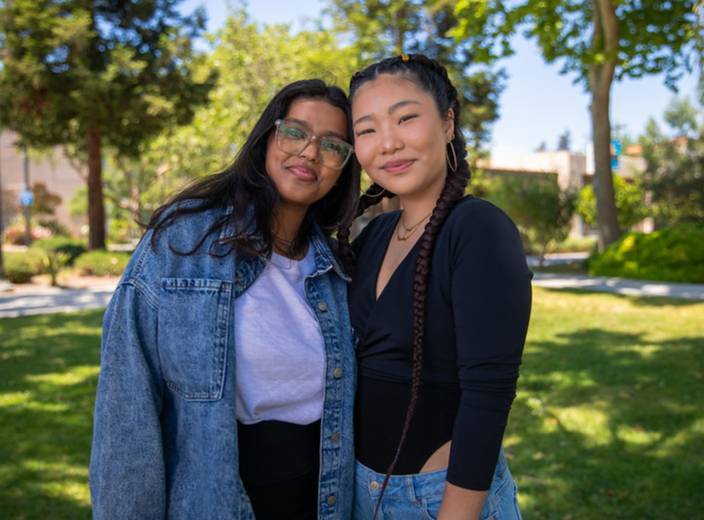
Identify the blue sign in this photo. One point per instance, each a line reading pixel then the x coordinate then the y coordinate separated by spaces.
pixel 615 153
pixel 26 198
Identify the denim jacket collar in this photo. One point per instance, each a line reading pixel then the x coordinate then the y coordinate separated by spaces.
pixel 324 257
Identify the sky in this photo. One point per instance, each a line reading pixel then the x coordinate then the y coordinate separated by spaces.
pixel 538 104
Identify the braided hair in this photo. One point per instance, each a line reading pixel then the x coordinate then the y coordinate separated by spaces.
pixel 432 77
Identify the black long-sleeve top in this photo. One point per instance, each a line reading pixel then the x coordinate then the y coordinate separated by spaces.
pixel 477 311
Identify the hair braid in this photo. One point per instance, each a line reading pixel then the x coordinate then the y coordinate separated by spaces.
pixel 374 195
pixel 433 78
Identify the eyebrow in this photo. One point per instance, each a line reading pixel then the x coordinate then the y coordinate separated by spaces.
pixel 392 109
pixel 328 133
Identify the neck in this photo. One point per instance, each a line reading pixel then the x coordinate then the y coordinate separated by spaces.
pixel 287 221
pixel 417 206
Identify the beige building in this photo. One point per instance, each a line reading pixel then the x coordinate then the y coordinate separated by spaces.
pixel 51 168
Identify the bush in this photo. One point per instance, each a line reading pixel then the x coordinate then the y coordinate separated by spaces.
pixel 629 198
pixel 540 209
pixel 574 245
pixel 14 233
pixel 68 246
pixel 673 254
pixel 102 263
pixel 20 267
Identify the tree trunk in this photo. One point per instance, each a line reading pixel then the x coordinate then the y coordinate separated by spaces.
pixel 606 213
pixel 601 75
pixel 96 208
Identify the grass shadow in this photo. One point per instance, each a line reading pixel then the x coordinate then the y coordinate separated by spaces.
pixel 48 374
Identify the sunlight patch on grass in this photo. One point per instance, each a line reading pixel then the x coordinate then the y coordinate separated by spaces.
pixel 681 439
pixel 58 469
pixel 77 375
pixel 8 399
pixel 637 435
pixel 588 420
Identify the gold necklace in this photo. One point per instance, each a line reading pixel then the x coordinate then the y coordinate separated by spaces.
pixel 409 230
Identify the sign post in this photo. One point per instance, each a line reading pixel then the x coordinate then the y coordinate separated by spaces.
pixel 26 199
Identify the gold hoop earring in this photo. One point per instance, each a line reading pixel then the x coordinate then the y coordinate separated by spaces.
pixel 454 156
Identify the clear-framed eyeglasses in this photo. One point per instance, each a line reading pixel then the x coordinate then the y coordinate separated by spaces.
pixel 293 137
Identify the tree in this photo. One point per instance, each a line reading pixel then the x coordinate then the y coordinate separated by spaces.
pixel 600 41
pixel 674 173
pixel 251 63
pixel 541 210
pixel 564 141
pixel 383 29
pixel 91 75
pixel 629 203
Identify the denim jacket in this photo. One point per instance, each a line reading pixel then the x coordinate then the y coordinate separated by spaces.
pixel 165 425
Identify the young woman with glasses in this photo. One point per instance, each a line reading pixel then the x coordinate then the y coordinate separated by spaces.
pixel 227 365
pixel 440 299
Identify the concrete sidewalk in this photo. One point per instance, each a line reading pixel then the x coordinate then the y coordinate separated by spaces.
pixel 643 288
pixel 27 300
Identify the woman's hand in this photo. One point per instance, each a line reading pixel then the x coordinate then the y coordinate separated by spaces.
pixel 461 504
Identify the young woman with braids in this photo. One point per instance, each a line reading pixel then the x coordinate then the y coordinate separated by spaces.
pixel 440 300
pixel 227 362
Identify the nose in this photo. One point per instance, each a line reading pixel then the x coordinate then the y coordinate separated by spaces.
pixel 389 142
pixel 310 152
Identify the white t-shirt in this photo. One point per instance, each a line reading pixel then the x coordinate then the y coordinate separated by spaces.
pixel 279 347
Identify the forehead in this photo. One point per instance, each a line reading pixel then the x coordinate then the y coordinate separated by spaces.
pixel 319 115
pixel 380 93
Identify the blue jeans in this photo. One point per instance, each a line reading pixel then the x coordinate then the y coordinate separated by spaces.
pixel 418 497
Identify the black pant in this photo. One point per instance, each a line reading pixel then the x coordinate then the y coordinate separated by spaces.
pixel 293 499
pixel 279 465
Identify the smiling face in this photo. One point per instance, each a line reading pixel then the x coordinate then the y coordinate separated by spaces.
pixel 301 179
pixel 400 136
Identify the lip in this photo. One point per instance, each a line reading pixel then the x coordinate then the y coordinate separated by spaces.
pixel 303 173
pixel 398 166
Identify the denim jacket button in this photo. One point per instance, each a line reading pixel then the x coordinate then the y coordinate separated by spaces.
pixel 374 485
pixel 335 437
pixel 331 500
pixel 322 306
pixel 337 373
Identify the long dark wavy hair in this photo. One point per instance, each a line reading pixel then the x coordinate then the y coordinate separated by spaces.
pixel 432 77
pixel 246 184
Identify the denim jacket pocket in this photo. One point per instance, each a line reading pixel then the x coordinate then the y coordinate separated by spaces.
pixel 194 324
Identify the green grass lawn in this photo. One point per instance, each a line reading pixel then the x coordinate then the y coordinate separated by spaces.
pixel 608 422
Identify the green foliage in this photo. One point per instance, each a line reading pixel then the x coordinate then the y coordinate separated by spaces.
pixel 45 202
pixel 382 29
pixel 68 246
pixel 94 75
pixel 20 267
pixel 598 41
pixel 69 66
pixel 52 263
pixel 653 37
pixel 674 173
pixel 629 203
pixel 574 245
pixel 102 263
pixel 252 63
pixel 673 254
pixel 540 209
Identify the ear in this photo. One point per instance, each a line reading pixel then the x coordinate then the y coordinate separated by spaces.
pixel 449 125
